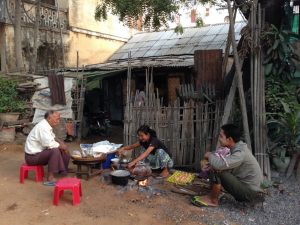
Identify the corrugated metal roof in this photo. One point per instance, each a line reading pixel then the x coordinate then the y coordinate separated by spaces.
pixel 165 61
pixel 164 43
pixel 168 49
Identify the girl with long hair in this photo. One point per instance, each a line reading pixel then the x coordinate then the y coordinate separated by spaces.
pixel 155 152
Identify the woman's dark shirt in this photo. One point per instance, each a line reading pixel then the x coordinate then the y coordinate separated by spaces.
pixel 157 144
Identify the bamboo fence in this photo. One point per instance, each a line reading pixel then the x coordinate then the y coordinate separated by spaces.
pixel 203 93
pixel 258 91
pixel 188 128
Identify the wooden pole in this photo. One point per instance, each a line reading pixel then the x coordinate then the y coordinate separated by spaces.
pixel 3 46
pixel 127 132
pixel 18 35
pixel 229 101
pixel 61 36
pixel 258 91
pixel 231 95
pixel 77 61
pixel 227 49
pixel 81 102
pixel 81 106
pixel 239 78
pixel 36 36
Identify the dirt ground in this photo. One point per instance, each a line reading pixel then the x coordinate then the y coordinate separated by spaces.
pixel 31 203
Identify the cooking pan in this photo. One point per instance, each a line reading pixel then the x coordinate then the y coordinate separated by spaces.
pixel 120 177
pixel 124 163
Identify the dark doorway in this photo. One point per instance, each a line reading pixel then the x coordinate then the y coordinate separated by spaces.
pixel 113 97
pixel 160 82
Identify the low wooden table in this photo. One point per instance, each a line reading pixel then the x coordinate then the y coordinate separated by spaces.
pixel 89 164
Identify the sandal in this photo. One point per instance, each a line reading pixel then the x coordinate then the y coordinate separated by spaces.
pixel 197 201
pixel 49 183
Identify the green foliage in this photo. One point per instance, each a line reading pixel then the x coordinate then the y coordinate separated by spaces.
pixel 199 22
pixel 282 116
pixel 279 54
pixel 154 13
pixel 9 99
pixel 279 91
pixel 179 29
pixel 286 129
pixel 281 101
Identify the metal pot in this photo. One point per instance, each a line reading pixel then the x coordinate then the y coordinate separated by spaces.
pixel 142 171
pixel 120 177
pixel 124 163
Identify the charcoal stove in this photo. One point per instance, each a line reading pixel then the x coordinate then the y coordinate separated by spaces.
pixel 143 183
pixel 142 172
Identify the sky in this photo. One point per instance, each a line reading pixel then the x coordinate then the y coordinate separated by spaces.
pixel 209 14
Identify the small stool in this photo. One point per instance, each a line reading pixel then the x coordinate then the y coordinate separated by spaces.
pixel 72 184
pixel 39 172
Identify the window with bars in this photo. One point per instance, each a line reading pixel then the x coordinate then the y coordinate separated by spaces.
pixel 49 2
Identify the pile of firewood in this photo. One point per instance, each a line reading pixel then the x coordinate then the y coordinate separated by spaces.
pixel 28 87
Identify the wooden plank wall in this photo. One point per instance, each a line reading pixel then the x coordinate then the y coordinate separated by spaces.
pixel 208 68
pixel 173 84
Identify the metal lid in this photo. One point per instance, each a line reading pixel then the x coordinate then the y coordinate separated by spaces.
pixel 120 173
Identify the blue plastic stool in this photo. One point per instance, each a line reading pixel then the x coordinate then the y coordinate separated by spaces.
pixel 107 163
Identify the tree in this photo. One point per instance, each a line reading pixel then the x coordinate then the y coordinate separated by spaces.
pixel 18 35
pixel 154 13
pixel 3 47
pixel 17 24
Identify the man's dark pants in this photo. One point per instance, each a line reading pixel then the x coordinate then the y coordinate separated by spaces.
pixel 233 186
pixel 56 160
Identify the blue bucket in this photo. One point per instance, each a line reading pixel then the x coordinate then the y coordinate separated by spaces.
pixel 107 163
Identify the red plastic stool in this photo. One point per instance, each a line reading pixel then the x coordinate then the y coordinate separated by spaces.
pixel 72 184
pixel 39 172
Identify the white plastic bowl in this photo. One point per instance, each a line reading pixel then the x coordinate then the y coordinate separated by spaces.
pixel 115 160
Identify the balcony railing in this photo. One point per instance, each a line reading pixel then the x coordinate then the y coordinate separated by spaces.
pixel 2 10
pixel 49 16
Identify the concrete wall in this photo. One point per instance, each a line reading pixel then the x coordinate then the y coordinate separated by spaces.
pixel 95 41
pixel 81 15
pixel 10 47
pixel 91 49
pixel 49 51
pixel 63 4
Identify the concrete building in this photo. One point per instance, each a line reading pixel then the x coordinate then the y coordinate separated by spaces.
pixel 70 23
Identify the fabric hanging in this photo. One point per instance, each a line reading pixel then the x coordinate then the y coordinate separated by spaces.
pixel 57 89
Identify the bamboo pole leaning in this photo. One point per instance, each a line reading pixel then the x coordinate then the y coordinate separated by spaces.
pixel 258 91
pixel 239 77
